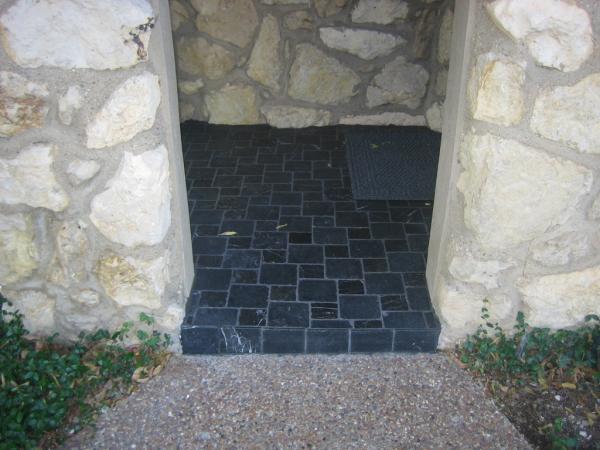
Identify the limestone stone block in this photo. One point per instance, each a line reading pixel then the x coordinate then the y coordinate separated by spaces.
pixel 400 83
pixel 22 104
pixel 179 14
pixel 470 266
pixel 299 20
pixel 29 179
pixel 135 208
pixel 69 103
pixel 435 116
pixel 295 117
pixel 495 90
pixel 570 114
pixel 130 109
pixel 445 37
pixel 382 12
pixel 386 118
pixel 197 56
pixel 232 21
pixel 233 104
pixel 188 87
pixel 561 300
pixel 171 318
pixel 441 80
pixel 365 44
pixel 558 33
pixel 133 282
pixel 18 250
pixel 424 27
pixel 459 309
pixel 77 34
pixel 316 77
pixel 594 212
pixel 186 111
pixel 513 193
pixel 264 65
pixel 38 310
pixel 327 8
pixel 86 297
pixel 562 249
pixel 80 170
pixel 71 248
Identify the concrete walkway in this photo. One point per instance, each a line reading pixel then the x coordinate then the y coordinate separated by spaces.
pixel 309 401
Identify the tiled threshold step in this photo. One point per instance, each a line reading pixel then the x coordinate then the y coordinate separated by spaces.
pixel 197 340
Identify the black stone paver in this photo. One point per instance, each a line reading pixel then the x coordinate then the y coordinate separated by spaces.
pixel 287 261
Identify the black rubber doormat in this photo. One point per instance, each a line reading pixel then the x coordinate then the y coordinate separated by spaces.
pixel 398 163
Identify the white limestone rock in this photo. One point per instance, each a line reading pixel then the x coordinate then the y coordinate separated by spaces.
pixel 179 14
pixel 399 83
pixel 232 21
pixel 71 249
pixel 188 87
pixel 18 250
pixel 558 33
pixel 316 77
pixel 561 300
pixel 80 170
pixel 445 37
pixel 171 319
pixel 22 104
pixel 295 117
pixel 299 20
pixel 130 109
pixel 471 266
pixel 186 111
pixel 29 179
pixel 134 282
pixel 197 56
pixel 561 250
pixel 459 309
pixel 233 104
pixel 365 44
pixel 87 297
pixel 594 211
pixel 441 81
pixel 435 116
pixel 386 118
pixel 327 8
pixel 382 12
pixel 69 103
pixel 495 90
pixel 513 193
pixel 77 34
pixel 38 310
pixel 264 64
pixel 570 114
pixel 135 208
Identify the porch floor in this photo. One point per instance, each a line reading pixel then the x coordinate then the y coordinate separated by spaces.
pixel 286 260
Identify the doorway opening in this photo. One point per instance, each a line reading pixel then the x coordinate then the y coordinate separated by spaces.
pixel 310 232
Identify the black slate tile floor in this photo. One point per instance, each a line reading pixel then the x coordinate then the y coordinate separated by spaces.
pixel 287 261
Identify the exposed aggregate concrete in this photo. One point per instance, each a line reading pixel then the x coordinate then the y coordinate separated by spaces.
pixel 310 401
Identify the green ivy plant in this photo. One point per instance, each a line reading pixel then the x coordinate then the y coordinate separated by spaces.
pixel 46 387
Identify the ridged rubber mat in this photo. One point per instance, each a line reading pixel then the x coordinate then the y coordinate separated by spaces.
pixel 396 163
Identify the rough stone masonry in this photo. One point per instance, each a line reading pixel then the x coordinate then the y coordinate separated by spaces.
pixel 523 228
pixel 88 234
pixel 300 63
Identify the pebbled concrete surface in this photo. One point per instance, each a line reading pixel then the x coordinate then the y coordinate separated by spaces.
pixel 308 401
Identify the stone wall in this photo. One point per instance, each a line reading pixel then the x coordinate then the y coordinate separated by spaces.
pixel 297 63
pixel 522 221
pixel 92 226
